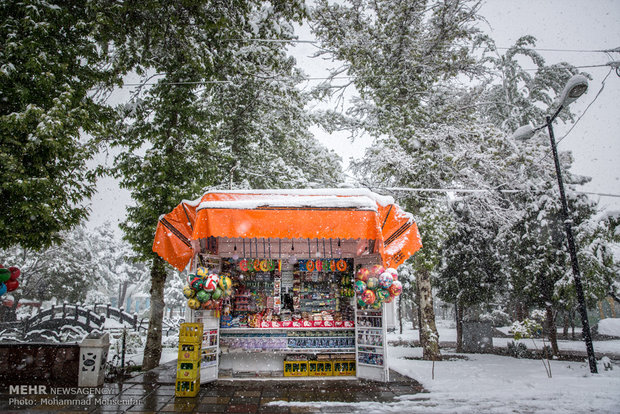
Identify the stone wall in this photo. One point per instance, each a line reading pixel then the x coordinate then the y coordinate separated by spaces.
pixel 39 363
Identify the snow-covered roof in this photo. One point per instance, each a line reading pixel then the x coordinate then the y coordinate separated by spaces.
pixel 360 198
pixel 287 201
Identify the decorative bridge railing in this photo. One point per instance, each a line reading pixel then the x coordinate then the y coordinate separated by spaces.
pixel 58 320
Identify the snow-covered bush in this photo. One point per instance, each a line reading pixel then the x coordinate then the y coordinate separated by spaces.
pixel 527 328
pixel 518 350
pixel 497 318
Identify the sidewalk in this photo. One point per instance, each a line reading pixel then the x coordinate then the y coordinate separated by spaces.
pixel 153 392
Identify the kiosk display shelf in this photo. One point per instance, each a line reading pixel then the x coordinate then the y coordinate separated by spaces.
pixel 371 347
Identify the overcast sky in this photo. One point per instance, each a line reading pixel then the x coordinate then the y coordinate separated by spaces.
pixel 557 24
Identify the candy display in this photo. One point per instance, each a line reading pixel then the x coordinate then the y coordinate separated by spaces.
pixel 379 288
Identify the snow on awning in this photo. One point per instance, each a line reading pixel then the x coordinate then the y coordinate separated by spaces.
pixel 288 214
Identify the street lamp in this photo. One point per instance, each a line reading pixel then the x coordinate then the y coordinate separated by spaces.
pixel 576 86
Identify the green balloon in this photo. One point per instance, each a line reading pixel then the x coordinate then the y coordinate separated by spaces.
pixel 203 296
pixel 217 293
pixel 5 274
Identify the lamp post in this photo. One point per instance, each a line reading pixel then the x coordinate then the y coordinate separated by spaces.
pixel 575 87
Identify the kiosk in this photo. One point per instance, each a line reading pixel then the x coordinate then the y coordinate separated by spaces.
pixel 290 283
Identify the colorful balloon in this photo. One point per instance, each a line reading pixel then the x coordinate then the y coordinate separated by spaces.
pixel 388 299
pixel 15 272
pixel 376 270
pixel 11 285
pixel 2 289
pixel 385 280
pixel 5 274
pixel 203 296
pixel 369 297
pixel 373 283
pixel 196 283
pixel 225 283
pixel 359 287
pixel 362 274
pixel 202 271
pixel 361 303
pixel 382 294
pixel 211 282
pixel 188 292
pixel 193 303
pixel 217 294
pixel 396 288
pixel 393 272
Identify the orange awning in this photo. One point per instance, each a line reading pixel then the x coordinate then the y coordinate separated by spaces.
pixel 288 214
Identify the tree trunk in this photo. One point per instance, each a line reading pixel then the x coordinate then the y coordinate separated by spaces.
pixel 400 314
pixel 428 329
pixel 553 330
pixel 565 324
pixel 417 324
pixel 152 350
pixel 458 310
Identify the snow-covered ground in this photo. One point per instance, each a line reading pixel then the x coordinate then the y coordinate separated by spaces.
pixel 484 383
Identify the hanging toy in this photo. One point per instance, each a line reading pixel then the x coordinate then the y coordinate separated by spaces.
pixel 217 294
pixel 359 287
pixel 362 274
pixel 385 280
pixel 196 282
pixel 203 296
pixel 11 285
pixel 211 282
pixel 382 295
pixel 369 297
pixel 396 288
pixel 188 292
pixel 373 283
pixel 5 274
pixel 193 303
pixel 376 270
pixel 225 283
pixel 393 272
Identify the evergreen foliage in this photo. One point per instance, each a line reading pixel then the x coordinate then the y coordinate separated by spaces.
pixel 51 73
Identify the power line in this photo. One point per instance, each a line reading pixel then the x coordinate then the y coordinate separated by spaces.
pixel 307 41
pixel 475 190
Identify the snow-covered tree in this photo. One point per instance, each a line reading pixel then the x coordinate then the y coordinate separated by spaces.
pixel 223 112
pixel 404 59
pixel 51 70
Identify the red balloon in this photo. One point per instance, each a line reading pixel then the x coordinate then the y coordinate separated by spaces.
pixel 11 285
pixel 15 272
